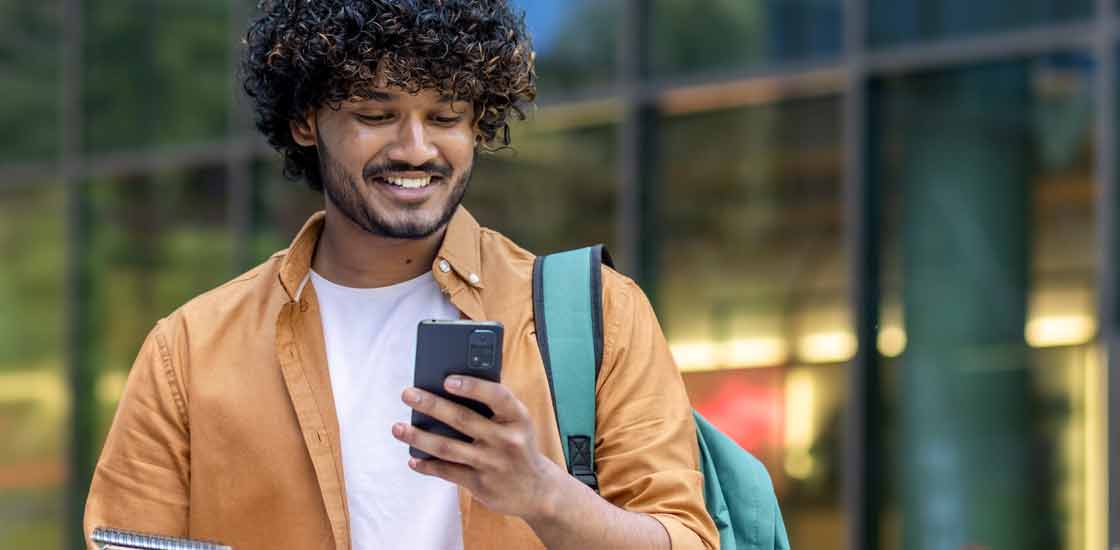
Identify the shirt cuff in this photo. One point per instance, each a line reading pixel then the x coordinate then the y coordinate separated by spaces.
pixel 680 537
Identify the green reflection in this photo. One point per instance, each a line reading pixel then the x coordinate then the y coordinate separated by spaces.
pixel 707 35
pixel 575 42
pixel 154 73
pixel 989 247
pixel 753 225
pixel 754 274
pixel 553 191
pixel 33 399
pixel 29 77
pixel 157 241
pixel 899 21
pixel 280 208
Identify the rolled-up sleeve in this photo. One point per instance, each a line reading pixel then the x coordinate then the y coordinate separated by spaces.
pixel 141 481
pixel 646 454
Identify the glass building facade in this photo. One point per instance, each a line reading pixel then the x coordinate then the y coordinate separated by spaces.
pixel 880 235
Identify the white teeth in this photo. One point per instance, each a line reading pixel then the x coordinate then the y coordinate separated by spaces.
pixel 410 183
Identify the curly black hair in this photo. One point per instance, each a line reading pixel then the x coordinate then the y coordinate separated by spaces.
pixel 302 55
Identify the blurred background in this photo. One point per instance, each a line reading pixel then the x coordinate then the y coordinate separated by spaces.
pixel 880 236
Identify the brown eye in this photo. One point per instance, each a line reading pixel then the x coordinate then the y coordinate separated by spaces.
pixel 383 117
pixel 447 120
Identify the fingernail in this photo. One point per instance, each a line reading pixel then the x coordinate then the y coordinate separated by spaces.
pixel 412 462
pixel 411 396
pixel 398 430
pixel 454 382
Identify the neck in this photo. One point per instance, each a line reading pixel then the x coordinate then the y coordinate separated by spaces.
pixel 351 256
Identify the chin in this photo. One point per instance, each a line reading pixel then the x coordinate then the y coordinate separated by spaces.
pixel 403 223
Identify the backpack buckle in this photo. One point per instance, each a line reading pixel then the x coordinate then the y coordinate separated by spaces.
pixel 579 454
pixel 589 480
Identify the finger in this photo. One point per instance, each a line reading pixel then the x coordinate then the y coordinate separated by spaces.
pixel 506 406
pixel 453 414
pixel 455 473
pixel 445 448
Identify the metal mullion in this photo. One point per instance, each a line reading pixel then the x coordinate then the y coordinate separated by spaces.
pixel 823 82
pixel 897 59
pixel 115 164
pixel 80 380
pixel 239 157
pixel 970 50
pixel 138 162
pixel 635 136
pixel 28 173
pixel 862 441
pixel 900 59
pixel 790 71
pixel 1106 212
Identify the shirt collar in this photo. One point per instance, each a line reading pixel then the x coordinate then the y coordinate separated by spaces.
pixel 461 248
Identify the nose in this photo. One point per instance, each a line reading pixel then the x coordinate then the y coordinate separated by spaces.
pixel 413 144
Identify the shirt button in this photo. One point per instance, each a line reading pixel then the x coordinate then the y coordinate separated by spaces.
pixel 473 279
pixel 444 266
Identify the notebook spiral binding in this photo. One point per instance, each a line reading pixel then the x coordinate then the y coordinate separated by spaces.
pixel 107 539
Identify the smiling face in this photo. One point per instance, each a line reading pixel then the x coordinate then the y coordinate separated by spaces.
pixel 396 164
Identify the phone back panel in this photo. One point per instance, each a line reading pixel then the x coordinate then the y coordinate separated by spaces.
pixel 444 348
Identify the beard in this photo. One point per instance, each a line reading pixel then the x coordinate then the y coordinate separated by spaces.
pixel 344 191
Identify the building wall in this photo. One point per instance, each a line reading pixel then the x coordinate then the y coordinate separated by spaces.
pixel 785 178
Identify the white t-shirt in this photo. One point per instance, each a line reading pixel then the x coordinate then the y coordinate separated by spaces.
pixel 370 337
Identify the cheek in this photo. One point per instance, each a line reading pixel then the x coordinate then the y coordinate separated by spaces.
pixel 352 145
pixel 460 149
pixel 366 143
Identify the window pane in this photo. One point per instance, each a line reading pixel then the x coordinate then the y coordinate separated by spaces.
pixel 155 242
pixel 553 190
pixel 29 78
pixel 714 35
pixel 575 43
pixel 556 188
pixel 753 278
pixel 900 21
pixel 155 73
pixel 989 320
pixel 280 208
pixel 33 395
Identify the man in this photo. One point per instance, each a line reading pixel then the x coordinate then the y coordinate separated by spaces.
pixel 273 412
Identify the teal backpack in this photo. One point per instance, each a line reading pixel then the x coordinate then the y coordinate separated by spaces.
pixel 567 311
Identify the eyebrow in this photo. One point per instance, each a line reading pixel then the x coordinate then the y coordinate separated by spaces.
pixel 376 95
pixel 385 97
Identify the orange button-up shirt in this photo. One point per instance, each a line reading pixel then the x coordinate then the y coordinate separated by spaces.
pixel 227 428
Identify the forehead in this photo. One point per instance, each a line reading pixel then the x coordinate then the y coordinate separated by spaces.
pixel 398 95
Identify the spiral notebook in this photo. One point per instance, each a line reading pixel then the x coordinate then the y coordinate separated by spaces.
pixel 116 539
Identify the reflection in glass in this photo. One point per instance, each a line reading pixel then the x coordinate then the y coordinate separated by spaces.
pixel 154 72
pixel 754 279
pixel 575 43
pixel 280 208
pixel 790 418
pixel 552 190
pixel 33 398
pixel 708 35
pixel 29 67
pixel 899 21
pixel 989 276
pixel 555 189
pixel 156 242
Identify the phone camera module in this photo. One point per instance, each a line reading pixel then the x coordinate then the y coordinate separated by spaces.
pixel 481 350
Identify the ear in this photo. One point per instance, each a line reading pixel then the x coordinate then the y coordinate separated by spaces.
pixel 304 129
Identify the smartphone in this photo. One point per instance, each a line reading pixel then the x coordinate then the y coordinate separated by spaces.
pixel 443 348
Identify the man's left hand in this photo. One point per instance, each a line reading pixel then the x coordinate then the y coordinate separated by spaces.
pixel 502 467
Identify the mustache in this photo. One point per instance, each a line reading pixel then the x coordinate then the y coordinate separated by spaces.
pixel 431 168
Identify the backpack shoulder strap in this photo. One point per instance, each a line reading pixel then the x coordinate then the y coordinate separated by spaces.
pixel 568 314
